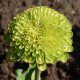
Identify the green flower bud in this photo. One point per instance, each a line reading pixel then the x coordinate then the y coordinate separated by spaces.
pixel 38 36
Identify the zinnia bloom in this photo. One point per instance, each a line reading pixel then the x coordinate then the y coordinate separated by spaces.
pixel 39 35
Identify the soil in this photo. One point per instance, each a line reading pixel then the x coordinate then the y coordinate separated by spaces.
pixel 60 71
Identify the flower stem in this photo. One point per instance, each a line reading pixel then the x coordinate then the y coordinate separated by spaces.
pixel 37 74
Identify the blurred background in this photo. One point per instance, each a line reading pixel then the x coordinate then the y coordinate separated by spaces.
pixel 60 71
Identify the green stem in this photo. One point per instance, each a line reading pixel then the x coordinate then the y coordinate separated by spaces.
pixel 37 74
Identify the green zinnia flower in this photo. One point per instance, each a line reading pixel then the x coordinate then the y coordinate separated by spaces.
pixel 38 36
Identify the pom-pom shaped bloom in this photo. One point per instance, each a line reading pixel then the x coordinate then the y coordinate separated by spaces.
pixel 38 36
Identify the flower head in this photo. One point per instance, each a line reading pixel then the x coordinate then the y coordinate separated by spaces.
pixel 38 36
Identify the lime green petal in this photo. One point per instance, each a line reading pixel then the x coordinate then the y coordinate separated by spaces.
pixel 32 64
pixel 42 67
pixel 29 59
pixel 64 57
pixel 49 58
pixel 40 58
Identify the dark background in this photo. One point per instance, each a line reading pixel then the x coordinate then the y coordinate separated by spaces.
pixel 60 71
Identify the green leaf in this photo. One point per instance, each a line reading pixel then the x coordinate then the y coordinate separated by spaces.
pixel 20 75
pixel 28 75
pixel 33 75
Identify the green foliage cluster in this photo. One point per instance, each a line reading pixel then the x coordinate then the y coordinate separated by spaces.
pixel 38 36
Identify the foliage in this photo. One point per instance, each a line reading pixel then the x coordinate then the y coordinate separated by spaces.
pixel 28 75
